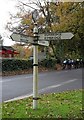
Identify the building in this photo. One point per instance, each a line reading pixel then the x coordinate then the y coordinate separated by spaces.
pixel 7 52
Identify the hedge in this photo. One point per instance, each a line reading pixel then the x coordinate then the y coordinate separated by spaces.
pixel 14 64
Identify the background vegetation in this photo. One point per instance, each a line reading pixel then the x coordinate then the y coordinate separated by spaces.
pixel 10 65
pixel 54 17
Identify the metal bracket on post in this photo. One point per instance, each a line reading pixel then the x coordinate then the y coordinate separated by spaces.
pixel 36 98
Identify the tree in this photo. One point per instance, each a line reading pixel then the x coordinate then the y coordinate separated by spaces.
pixel 24 51
pixel 71 19
pixel 62 17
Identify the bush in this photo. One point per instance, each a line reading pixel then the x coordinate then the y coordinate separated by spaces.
pixel 14 64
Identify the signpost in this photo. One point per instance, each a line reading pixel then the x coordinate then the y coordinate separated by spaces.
pixel 55 36
pixel 39 39
pixel 52 36
pixel 66 35
pixel 44 43
pixel 43 38
pixel 21 38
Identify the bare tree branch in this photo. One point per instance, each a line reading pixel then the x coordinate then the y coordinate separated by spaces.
pixel 26 4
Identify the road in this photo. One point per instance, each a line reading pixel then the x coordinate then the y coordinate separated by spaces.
pixel 17 86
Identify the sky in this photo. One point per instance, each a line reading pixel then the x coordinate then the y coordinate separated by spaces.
pixel 6 6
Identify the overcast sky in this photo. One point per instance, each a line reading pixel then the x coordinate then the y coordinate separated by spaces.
pixel 6 6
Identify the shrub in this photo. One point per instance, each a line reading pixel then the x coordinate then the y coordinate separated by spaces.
pixel 14 64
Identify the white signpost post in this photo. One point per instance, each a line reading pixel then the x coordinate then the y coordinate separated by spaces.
pixel 39 39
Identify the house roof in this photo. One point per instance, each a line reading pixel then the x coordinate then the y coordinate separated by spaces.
pixel 7 48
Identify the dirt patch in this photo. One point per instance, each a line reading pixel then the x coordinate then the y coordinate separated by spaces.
pixel 58 67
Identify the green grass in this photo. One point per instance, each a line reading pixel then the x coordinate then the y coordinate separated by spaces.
pixel 56 105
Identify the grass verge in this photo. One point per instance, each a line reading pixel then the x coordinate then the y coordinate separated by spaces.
pixel 55 105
